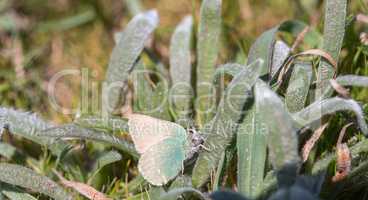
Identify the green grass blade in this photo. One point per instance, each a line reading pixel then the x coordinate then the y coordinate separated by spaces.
pixel 14 193
pixel 262 48
pixel 333 35
pixel 348 80
pixel 355 150
pixel 181 181
pixel 282 139
pixel 280 54
pixel 137 183
pixel 207 51
pixel 28 125
pixel 251 141
pixel 103 160
pixel 68 22
pixel 27 178
pixel 231 69
pixel 272 52
pixel 134 6
pixel 175 193
pixel 111 124
pixel 321 108
pixel 228 114
pixel 352 80
pixel 313 38
pixel 160 102
pixel 11 153
pixel 220 172
pixel 152 194
pixel 150 98
pixel 299 84
pixel 251 148
pixel 181 69
pixel 143 91
pixel 8 151
pixel 78 132
pixel 124 56
pixel 223 164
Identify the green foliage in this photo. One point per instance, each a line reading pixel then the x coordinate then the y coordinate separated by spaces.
pixel 220 131
pixel 28 125
pixel 181 70
pixel 26 178
pixel 252 136
pixel 207 49
pixel 299 84
pixel 333 36
pixel 103 160
pixel 124 56
pixel 14 193
pixel 75 131
pixel 281 135
pixel 251 148
pixel 321 108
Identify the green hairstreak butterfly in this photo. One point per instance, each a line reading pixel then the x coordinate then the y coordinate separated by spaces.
pixel 163 145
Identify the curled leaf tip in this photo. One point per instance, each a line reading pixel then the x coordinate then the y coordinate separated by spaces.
pixel 152 16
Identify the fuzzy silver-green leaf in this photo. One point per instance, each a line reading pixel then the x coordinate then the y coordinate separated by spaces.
pixel 298 87
pixel 181 70
pixel 77 132
pixel 333 36
pixel 27 178
pixel 321 108
pixel 281 136
pixel 124 56
pixel 207 49
pixel 28 125
pixel 220 131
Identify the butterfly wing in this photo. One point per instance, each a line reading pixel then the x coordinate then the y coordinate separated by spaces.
pixel 162 162
pixel 147 131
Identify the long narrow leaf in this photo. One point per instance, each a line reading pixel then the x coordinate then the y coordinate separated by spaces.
pixel 27 178
pixel 321 108
pixel 112 124
pixel 221 129
pixel 231 69
pixel 299 83
pixel 181 69
pixel 143 91
pixel 281 137
pixel 104 160
pixel 150 98
pixel 8 151
pixel 134 6
pixel 352 80
pixel 251 148
pixel 14 193
pixel 75 131
pixel 175 193
pixel 333 35
pixel 28 125
pixel 347 80
pixel 67 23
pixel 280 54
pixel 208 48
pixel 124 55
pixel 355 151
